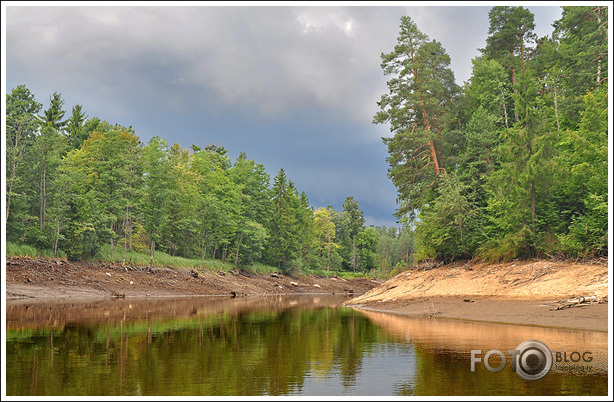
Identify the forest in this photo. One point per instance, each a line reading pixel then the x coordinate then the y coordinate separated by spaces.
pixel 79 184
pixel 514 164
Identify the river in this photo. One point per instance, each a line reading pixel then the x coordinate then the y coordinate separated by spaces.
pixel 278 345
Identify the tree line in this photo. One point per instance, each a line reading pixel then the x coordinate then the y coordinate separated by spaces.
pixel 513 164
pixel 75 184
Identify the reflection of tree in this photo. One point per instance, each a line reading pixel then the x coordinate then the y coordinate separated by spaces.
pixel 359 336
pixel 252 353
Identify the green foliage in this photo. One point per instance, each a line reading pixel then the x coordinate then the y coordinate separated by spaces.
pixel 510 30
pixel 22 125
pixel 74 125
pixel 366 248
pixel 161 259
pixel 348 225
pixel 156 191
pixel 488 89
pixel 88 190
pixel 587 234
pixel 444 232
pixel 585 190
pixel 53 115
pixel 253 241
pixel 582 37
pixel 283 248
pixel 528 175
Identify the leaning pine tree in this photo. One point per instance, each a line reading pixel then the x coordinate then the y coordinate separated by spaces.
pixel 418 109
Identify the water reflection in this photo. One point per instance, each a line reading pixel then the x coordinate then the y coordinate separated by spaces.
pixel 443 357
pixel 36 314
pixel 202 346
pixel 278 345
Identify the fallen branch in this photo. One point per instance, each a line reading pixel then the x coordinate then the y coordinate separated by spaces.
pixel 580 302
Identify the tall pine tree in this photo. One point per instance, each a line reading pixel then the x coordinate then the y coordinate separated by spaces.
pixel 417 108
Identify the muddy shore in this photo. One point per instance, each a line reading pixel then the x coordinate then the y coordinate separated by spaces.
pixel 52 280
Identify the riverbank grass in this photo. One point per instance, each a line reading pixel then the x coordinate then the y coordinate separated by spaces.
pixel 162 259
pixel 23 250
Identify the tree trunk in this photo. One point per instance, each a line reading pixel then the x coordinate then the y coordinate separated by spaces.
pixel 213 250
pixel 328 266
pixel 237 255
pixel 533 216
pixel 111 240
pixel 524 67
pixel 600 56
pixel 130 229
pixel 556 107
pixel 353 262
pixel 8 202
pixel 42 196
pixel 203 247
pixel 57 238
pixel 152 249
pixel 487 158
pixel 18 153
pixel 125 240
pixel 504 109
pixel 45 194
pixel 515 93
pixel 427 128
pixel 130 236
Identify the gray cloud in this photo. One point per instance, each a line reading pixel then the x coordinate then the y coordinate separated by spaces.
pixel 274 59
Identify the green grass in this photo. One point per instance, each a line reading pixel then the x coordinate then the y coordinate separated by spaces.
pixel 141 259
pixel 260 268
pixel 23 250
pixel 165 260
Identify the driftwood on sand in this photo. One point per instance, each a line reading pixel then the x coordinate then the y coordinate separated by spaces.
pixel 580 302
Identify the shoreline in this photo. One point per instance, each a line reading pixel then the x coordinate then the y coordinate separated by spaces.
pixel 33 280
pixel 517 293
pixel 520 312
pixel 534 293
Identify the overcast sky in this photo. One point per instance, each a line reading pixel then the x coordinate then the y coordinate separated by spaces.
pixel 293 87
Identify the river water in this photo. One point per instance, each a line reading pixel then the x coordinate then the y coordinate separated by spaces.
pixel 282 345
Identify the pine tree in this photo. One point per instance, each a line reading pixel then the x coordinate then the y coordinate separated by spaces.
pixel 417 109
pixel 282 245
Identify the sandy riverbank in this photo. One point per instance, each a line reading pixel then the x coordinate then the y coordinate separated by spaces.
pixel 524 293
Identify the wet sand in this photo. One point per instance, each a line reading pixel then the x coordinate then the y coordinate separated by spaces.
pixel 540 313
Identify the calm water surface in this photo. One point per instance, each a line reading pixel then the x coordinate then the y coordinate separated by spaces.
pixel 290 345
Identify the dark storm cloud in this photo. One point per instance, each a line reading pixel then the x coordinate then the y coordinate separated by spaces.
pixel 294 87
